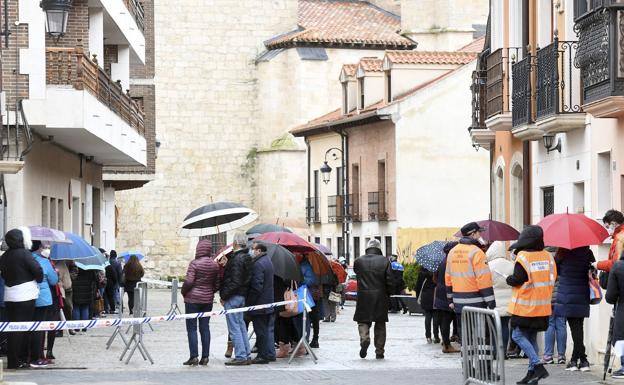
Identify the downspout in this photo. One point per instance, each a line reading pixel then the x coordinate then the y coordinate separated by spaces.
pixel 526 147
pixel 491 172
pixel 307 203
pixel 345 171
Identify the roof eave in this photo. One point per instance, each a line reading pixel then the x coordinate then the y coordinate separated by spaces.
pixel 345 45
pixel 352 121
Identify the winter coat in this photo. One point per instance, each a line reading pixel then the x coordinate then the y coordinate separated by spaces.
pixel 64 277
pixel 17 265
pixel 615 251
pixel 113 276
pixel 425 288
pixel 202 276
pixel 572 299
pixel 50 278
pixel 236 275
pixel 398 284
pixel 132 276
pixel 261 284
pixel 84 286
pixel 615 295
pixel 498 263
pixel 374 279
pixel 440 302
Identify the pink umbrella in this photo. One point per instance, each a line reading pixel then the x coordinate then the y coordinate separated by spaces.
pixel 572 230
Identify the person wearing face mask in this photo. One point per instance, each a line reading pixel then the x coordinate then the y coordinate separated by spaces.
pixel 468 278
pixel 613 221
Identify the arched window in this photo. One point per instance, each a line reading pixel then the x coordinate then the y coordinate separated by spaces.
pixel 499 194
pixel 516 198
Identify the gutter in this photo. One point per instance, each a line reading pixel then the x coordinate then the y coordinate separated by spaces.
pixel 353 121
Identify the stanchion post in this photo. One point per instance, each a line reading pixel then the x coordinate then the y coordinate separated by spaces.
pixel 117 331
pixel 136 341
pixel 304 340
pixel 174 309
pixel 143 313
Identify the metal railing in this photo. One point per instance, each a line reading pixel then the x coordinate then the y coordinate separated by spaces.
pixel 71 66
pixel 312 210
pixel 335 208
pixel 498 87
pixel 479 97
pixel 483 356
pixel 522 99
pixel 377 206
pixel 16 140
pixel 355 215
pixel 137 11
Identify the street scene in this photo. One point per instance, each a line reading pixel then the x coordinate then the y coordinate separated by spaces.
pixel 336 191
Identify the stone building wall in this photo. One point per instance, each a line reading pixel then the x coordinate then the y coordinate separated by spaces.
pixel 206 89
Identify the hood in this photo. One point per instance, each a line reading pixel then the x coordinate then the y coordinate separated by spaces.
pixel 373 251
pixel 496 250
pixel 18 238
pixel 449 246
pixel 531 238
pixel 203 249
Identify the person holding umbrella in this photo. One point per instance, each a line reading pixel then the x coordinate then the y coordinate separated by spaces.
pixel 614 222
pixel 425 291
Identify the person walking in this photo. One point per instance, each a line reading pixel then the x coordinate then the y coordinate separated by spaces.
pixel 112 285
pixel 573 298
pixel 261 293
pixel 132 274
pixel 21 274
pixel 441 305
pixel 532 285
pixel 114 261
pixel 398 285
pixel 614 222
pixel 556 332
pixel 468 277
pixel 374 279
pixel 615 296
pixel 234 288
pixel 200 285
pixel 43 303
pixel 501 267
pixel 425 291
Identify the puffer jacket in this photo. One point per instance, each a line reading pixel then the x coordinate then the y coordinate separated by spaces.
pixel 615 296
pixel 500 267
pixel 236 275
pixel 202 276
pixel 83 286
pixel 50 278
pixel 572 299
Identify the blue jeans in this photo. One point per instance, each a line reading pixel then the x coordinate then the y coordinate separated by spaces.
pixel 204 328
pixel 527 340
pixel 237 328
pixel 556 332
pixel 265 341
pixel 81 312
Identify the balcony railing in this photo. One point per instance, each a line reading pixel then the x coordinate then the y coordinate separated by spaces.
pixel 16 140
pixel 557 91
pixel 312 210
pixel 599 57
pixel 498 81
pixel 137 11
pixel 336 209
pixel 522 99
pixel 478 88
pixel 70 66
pixel 377 206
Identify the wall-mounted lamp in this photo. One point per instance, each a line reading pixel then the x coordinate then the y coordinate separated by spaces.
pixel 548 143
pixel 56 15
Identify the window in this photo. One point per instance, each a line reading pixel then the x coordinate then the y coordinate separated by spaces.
pixel 389 250
pixel 316 184
pixel 317 240
pixel 339 185
pixel 75 208
pixel 361 89
pixel 345 97
pixel 381 175
pixel 604 184
pixel 548 194
pixel 356 247
pixel 366 240
pixel 53 208
pixel 517 197
pixel 218 241
pixel 45 212
pixel 378 238
pixel 499 194
pixel 388 86
pixel 578 198
pixel 61 224
pixel 328 243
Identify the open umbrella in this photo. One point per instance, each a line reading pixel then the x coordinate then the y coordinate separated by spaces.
pixel 46 234
pixel 496 231
pixel 572 230
pixel 78 249
pixel 296 244
pixel 262 228
pixel 323 249
pixel 216 218
pixel 430 256
pixel 224 251
pixel 96 262
pixel 285 265
pixel 127 254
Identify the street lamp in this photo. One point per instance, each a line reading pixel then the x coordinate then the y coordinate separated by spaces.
pixel 326 175
pixel 57 13
pixel 326 172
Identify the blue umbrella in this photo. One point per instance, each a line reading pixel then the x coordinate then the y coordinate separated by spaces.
pixel 431 255
pixel 127 254
pixel 96 262
pixel 78 249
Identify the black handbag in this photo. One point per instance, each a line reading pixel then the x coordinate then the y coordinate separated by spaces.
pixel 603 280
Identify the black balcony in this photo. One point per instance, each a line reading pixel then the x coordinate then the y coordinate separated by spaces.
pixel 478 89
pixel 312 210
pixel 521 98
pixel 556 87
pixel 377 210
pixel 16 140
pixel 601 35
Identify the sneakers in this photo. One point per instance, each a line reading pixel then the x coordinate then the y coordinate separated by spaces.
pixel 584 365
pixel 548 360
pixel 572 366
pixel 259 361
pixel 193 361
pixel 39 364
pixel 619 374
pixel 561 360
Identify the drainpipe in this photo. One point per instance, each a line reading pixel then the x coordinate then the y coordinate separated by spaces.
pixel 307 142
pixel 492 157
pixel 345 188
pixel 526 182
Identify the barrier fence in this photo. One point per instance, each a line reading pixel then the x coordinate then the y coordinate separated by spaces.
pixel 483 357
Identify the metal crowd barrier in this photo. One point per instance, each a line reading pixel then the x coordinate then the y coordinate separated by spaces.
pixel 483 357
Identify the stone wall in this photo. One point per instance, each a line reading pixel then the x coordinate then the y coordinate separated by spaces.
pixel 206 90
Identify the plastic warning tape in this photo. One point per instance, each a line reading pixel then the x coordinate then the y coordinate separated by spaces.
pixel 31 326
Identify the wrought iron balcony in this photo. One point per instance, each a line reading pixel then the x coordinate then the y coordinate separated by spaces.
pixel 15 142
pixel 522 99
pixel 336 208
pixel 312 210
pixel 478 89
pixel 498 65
pixel 377 210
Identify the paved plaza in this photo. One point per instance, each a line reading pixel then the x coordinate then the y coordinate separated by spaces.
pixel 409 360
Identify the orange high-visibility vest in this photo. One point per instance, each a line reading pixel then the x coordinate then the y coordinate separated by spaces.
pixel 534 297
pixel 468 277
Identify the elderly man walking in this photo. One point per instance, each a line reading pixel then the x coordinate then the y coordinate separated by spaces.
pixel 233 291
pixel 374 278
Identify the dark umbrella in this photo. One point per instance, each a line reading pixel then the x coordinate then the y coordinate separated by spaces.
pixel 496 231
pixel 285 265
pixel 216 218
pixel 431 255
pixel 323 249
pixel 296 244
pixel 262 228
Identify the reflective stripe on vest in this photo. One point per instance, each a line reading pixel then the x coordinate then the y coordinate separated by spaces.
pixel 468 276
pixel 533 298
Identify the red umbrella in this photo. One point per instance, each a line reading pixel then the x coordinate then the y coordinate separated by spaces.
pixel 572 230
pixel 496 231
pixel 296 244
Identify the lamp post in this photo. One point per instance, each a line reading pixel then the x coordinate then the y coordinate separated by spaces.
pixel 326 175
pixel 56 15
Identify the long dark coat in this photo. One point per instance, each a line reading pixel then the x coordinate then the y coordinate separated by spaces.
pixel 84 287
pixel 374 278
pixel 615 294
pixel 572 300
pixel 427 286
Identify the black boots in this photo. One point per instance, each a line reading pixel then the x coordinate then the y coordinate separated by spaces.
pixel 533 376
pixel 526 378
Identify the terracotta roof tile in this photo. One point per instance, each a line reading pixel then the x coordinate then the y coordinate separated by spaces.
pixel 430 57
pixel 343 22
pixel 350 69
pixel 475 46
pixel 371 64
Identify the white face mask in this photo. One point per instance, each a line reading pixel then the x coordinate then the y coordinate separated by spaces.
pixel 482 241
pixel 45 253
pixel 611 228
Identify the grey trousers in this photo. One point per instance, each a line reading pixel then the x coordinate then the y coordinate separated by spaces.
pixel 379 338
pixel 330 309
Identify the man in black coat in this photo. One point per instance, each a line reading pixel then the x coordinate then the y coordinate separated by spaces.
pixel 261 293
pixel 374 278
pixel 615 296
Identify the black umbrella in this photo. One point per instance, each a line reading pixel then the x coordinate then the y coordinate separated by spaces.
pixel 285 265
pixel 262 228
pixel 216 218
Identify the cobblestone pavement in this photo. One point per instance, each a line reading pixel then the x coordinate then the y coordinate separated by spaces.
pixel 409 360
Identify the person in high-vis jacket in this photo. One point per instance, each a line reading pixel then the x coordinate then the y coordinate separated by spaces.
pixel 468 278
pixel 532 283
